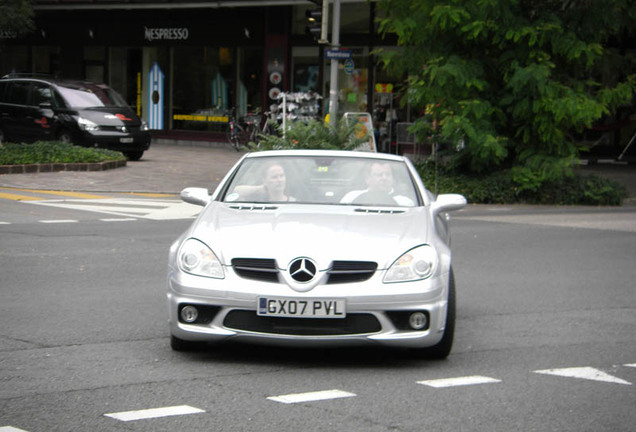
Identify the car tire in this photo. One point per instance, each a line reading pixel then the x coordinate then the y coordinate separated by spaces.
pixel 65 137
pixel 443 348
pixel 183 345
pixel 134 155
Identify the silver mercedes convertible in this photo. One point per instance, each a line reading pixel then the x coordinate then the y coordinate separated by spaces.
pixel 316 247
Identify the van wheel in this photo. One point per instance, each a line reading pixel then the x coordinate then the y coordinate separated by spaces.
pixel 134 155
pixel 65 137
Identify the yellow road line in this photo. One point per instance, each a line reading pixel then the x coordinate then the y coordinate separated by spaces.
pixel 57 193
pixel 17 197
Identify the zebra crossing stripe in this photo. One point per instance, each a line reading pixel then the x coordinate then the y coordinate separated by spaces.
pixel 587 373
pixel 154 413
pixel 311 396
pixel 10 429
pixel 460 381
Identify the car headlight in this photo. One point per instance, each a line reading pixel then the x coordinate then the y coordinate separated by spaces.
pixel 86 124
pixel 416 264
pixel 196 258
pixel 144 125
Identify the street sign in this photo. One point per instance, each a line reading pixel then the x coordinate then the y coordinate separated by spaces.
pixel 337 54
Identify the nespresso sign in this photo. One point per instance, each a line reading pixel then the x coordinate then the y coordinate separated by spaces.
pixel 166 33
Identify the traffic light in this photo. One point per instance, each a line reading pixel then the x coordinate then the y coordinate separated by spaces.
pixel 317 21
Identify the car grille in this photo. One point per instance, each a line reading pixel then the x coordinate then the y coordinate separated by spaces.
pixel 266 270
pixel 351 324
pixel 351 271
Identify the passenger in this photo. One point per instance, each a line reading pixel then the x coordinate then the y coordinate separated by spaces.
pixel 379 181
pixel 272 189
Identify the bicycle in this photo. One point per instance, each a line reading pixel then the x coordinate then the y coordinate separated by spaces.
pixel 254 130
pixel 236 134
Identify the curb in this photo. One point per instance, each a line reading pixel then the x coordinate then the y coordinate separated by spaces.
pixel 56 167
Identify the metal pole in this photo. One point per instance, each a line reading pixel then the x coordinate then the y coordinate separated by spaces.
pixel 333 91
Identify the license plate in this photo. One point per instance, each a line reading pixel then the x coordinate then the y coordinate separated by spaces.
pixel 301 308
pixel 126 140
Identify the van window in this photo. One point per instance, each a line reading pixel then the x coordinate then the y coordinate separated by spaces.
pixel 41 94
pixel 18 93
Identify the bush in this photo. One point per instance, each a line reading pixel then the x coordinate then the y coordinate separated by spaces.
pixel 312 135
pixel 499 188
pixel 54 152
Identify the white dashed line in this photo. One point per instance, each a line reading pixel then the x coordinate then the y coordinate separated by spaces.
pixel 55 221
pixel 118 219
pixel 154 413
pixel 10 429
pixel 460 381
pixel 311 396
pixel 631 365
pixel 587 373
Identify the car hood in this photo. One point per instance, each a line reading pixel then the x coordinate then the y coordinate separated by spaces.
pixel 322 233
pixel 107 116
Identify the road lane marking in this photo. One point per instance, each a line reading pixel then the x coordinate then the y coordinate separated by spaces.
pixel 82 195
pixel 587 373
pixel 56 221
pixel 118 219
pixel 130 207
pixel 11 429
pixel 9 193
pixel 17 197
pixel 460 381
pixel 631 365
pixel 311 396
pixel 154 413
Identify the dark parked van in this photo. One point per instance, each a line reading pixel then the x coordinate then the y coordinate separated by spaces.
pixel 84 113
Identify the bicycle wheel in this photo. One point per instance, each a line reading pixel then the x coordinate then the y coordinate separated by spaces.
pixel 235 134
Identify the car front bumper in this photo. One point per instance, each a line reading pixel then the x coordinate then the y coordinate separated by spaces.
pixel 372 318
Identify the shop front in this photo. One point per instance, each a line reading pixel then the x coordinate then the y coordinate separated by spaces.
pixel 186 70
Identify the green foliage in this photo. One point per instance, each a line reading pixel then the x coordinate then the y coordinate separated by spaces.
pixel 16 16
pixel 515 79
pixel 500 187
pixel 54 152
pixel 313 135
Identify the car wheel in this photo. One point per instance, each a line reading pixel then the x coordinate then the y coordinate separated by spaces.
pixel 183 345
pixel 65 137
pixel 134 155
pixel 444 346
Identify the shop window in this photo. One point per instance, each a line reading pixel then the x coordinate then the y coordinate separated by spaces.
pixel 203 94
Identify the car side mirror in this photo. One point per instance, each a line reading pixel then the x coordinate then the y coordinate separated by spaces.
pixel 448 202
pixel 196 196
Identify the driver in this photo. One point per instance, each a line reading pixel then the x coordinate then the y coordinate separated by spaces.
pixel 379 181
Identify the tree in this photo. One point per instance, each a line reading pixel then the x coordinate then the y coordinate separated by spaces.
pixel 16 17
pixel 514 78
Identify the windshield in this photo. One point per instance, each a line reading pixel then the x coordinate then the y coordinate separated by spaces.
pixel 91 96
pixel 322 180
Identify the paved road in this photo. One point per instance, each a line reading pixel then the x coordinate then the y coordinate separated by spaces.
pixel 545 336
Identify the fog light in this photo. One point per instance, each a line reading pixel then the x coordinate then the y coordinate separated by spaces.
pixel 189 314
pixel 418 320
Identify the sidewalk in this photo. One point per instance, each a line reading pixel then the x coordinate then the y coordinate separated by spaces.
pixel 168 168
pixel 164 168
